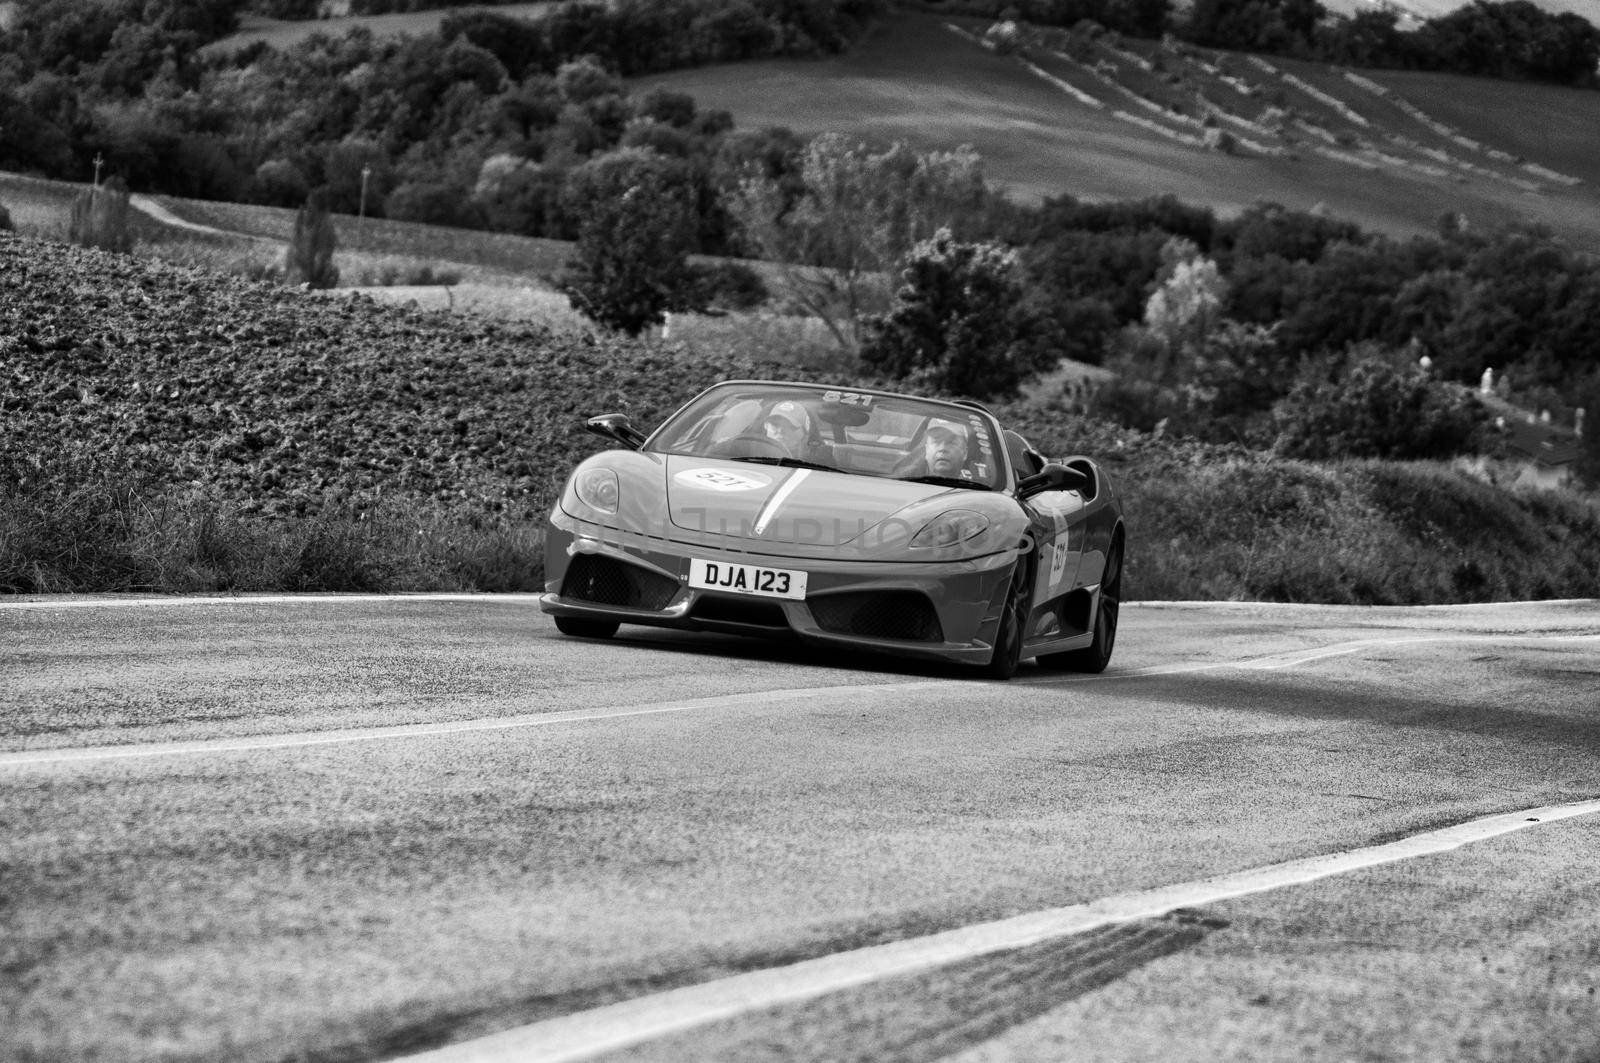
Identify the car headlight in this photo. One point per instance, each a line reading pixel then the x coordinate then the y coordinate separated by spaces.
pixel 597 489
pixel 951 527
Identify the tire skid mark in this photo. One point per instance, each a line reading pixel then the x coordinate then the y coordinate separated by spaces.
pixel 922 1018
pixel 586 1035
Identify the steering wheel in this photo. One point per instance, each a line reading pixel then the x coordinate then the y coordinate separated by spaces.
pixel 750 446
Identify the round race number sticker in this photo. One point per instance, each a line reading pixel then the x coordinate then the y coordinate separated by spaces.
pixel 723 480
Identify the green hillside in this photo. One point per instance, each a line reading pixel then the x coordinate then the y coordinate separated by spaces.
pixel 170 429
pixel 918 79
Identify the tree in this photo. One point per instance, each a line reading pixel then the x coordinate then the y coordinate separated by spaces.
pixel 958 323
pixel 309 260
pixel 636 228
pixel 1232 378
pixel 858 211
pixel 1376 410
pixel 1187 303
pixel 1588 466
pixel 433 203
pixel 100 217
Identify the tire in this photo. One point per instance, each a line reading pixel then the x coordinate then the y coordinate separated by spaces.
pixel 584 628
pixel 1008 640
pixel 1095 656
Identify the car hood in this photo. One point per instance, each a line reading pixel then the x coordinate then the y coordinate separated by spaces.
pixel 772 504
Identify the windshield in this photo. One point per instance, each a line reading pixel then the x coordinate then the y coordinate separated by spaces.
pixel 841 430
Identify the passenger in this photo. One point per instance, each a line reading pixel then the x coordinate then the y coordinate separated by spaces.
pixel 944 450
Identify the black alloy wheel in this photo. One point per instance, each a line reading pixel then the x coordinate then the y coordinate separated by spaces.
pixel 1095 656
pixel 1013 618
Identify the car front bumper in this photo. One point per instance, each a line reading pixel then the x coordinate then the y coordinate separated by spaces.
pixel 869 605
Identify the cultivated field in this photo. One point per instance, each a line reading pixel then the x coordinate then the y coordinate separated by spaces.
pixel 1390 151
pixel 496 276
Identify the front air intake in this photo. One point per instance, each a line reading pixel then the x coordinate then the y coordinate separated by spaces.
pixel 904 615
pixel 607 581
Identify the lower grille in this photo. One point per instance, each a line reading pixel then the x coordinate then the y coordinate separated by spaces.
pixel 607 581
pixel 739 611
pixel 904 615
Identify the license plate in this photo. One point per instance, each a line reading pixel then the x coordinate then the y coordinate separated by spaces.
pixel 747 579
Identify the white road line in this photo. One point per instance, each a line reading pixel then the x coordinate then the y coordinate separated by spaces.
pixel 271 599
pixel 526 599
pixel 590 1033
pixel 1293 659
pixel 302 739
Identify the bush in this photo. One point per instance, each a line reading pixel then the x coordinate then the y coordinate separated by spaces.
pixel 635 231
pixel 722 286
pixel 1355 533
pixel 1375 410
pixel 390 275
pixel 5 220
pixel 959 323
pixel 433 203
pixel 279 183
pixel 309 259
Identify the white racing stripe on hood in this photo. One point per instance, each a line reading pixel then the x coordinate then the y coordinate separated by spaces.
pixel 778 498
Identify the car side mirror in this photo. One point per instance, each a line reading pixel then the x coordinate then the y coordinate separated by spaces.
pixel 1053 477
pixel 616 426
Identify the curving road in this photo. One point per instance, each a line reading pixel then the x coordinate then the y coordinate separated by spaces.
pixel 376 828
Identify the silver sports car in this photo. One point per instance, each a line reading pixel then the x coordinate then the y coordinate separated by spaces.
pixel 845 517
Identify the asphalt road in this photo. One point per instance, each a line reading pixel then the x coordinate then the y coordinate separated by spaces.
pixel 352 829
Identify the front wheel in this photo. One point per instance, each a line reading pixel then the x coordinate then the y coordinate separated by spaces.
pixel 1095 656
pixel 584 628
pixel 1013 616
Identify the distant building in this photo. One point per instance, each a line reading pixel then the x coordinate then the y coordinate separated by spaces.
pixel 1548 453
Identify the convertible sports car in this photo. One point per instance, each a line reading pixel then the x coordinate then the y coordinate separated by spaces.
pixel 848 517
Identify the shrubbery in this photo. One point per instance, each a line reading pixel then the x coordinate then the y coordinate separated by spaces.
pixel 309 258
pixel 1357 533
pixel 1373 409
pixel 635 229
pixel 959 323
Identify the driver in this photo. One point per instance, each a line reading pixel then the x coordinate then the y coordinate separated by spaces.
pixel 944 449
pixel 789 426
